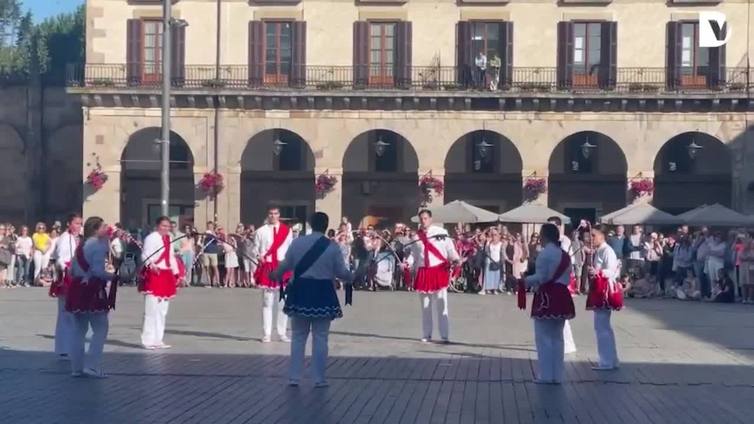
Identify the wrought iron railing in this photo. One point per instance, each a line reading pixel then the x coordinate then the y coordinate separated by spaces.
pixel 417 78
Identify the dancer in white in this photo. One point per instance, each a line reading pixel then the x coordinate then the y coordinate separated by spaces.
pixel 271 243
pixel 160 279
pixel 311 301
pixel 432 255
pixel 565 244
pixel 552 305
pixel 605 296
pixel 64 251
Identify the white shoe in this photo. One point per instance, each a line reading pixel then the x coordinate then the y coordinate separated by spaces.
pixel 163 346
pixel 266 339
pixel 285 339
pixel 481 293
pixel 426 340
pixel 150 347
pixel 94 373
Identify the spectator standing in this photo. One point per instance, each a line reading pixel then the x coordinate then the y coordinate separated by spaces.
pixel 619 243
pixel 578 260
pixel 6 255
pixel 231 259
pixel 700 251
pixel 209 255
pixel 42 245
pixel 747 269
pixel 636 247
pixel 715 259
pixel 494 255
pixel 481 69
pixel 24 252
pixel 683 261
pixel 187 251
pixel 666 262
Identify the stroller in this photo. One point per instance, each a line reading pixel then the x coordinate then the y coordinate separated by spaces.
pixel 382 271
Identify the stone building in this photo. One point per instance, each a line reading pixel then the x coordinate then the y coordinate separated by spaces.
pixel 488 97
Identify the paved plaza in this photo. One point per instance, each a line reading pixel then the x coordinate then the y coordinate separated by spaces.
pixel 681 363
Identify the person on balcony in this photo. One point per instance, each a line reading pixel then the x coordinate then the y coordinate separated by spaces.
pixel 481 70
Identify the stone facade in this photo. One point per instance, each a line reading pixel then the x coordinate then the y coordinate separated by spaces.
pixel 234 129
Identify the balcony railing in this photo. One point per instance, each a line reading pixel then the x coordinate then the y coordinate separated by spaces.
pixel 418 78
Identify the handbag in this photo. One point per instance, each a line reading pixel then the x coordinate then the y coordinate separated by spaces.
pixel 494 266
pixel 5 257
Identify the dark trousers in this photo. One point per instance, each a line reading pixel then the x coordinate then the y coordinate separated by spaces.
pixel 701 276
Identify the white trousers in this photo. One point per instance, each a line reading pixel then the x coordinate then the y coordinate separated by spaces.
pixel 608 353
pixel 269 299
pixel 440 299
pixel 548 336
pixel 65 329
pixel 155 312
pixel 40 262
pixel 570 344
pixel 300 328
pixel 93 358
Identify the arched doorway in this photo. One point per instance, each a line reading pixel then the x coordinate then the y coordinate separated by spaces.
pixel 587 176
pixel 64 175
pixel 277 168
pixel 14 190
pixel 484 168
pixel 140 180
pixel 380 181
pixel 692 169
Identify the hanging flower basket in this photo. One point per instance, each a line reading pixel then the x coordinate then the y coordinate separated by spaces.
pixel 324 184
pixel 97 177
pixel 211 183
pixel 641 187
pixel 428 184
pixel 533 188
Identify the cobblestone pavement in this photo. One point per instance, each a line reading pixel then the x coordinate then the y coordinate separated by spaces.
pixel 681 363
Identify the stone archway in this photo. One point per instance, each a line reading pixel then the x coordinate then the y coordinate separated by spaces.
pixel 587 176
pixel 277 168
pixel 484 168
pixel 380 178
pixel 14 190
pixel 692 169
pixel 140 179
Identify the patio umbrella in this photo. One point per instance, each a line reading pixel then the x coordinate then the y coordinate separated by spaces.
pixel 531 213
pixel 460 211
pixel 641 213
pixel 715 215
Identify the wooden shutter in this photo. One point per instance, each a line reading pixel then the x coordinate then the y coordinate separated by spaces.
pixel 298 65
pixel 256 53
pixel 609 46
pixel 565 55
pixel 673 50
pixel 360 53
pixel 134 51
pixel 506 70
pixel 463 54
pixel 178 55
pixel 716 76
pixel 403 55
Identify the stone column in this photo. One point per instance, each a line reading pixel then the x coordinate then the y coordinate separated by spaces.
pixel 436 198
pixel 640 188
pixel 229 200
pixel 530 180
pixel 105 202
pixel 202 203
pixel 330 202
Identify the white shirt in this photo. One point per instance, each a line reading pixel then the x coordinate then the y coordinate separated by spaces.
pixel 444 246
pixel 494 251
pixel 263 240
pixel 636 242
pixel 24 246
pixel 95 254
pixel 605 260
pixel 547 263
pixel 65 249
pixel 153 251
pixel 481 62
pixel 329 266
pixel 565 244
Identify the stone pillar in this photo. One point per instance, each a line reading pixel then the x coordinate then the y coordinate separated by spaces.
pixel 535 186
pixel 229 200
pixel 433 197
pixel 330 202
pixel 105 202
pixel 202 203
pixel 641 186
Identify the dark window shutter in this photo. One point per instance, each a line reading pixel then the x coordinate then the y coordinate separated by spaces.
pixel 463 53
pixel 565 55
pixel 360 53
pixel 403 56
pixel 673 55
pixel 178 55
pixel 716 78
pixel 134 51
pixel 609 46
pixel 506 70
pixel 256 53
pixel 298 67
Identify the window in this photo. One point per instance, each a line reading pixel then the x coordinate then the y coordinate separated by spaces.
pixel 485 37
pixel 152 42
pixel 381 52
pixel 694 59
pixel 587 54
pixel 277 51
pixel 291 155
pixel 294 214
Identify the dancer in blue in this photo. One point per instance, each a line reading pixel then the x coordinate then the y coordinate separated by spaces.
pixel 311 301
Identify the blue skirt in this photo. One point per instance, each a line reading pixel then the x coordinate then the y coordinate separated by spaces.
pixel 312 299
pixel 491 279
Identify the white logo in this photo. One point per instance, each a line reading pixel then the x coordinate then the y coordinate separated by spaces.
pixel 713 31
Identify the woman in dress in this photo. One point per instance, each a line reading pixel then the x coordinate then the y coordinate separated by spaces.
pixel 88 299
pixel 519 256
pixel 231 259
pixel 494 252
pixel 186 249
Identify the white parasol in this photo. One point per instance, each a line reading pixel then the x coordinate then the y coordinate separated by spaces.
pixel 531 213
pixel 460 211
pixel 640 213
pixel 715 215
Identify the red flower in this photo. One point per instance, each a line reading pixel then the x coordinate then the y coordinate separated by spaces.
pixel 324 184
pixel 212 183
pixel 428 182
pixel 641 187
pixel 96 178
pixel 533 188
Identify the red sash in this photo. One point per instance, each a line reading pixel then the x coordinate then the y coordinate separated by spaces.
pixel 565 264
pixel 278 238
pixel 429 248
